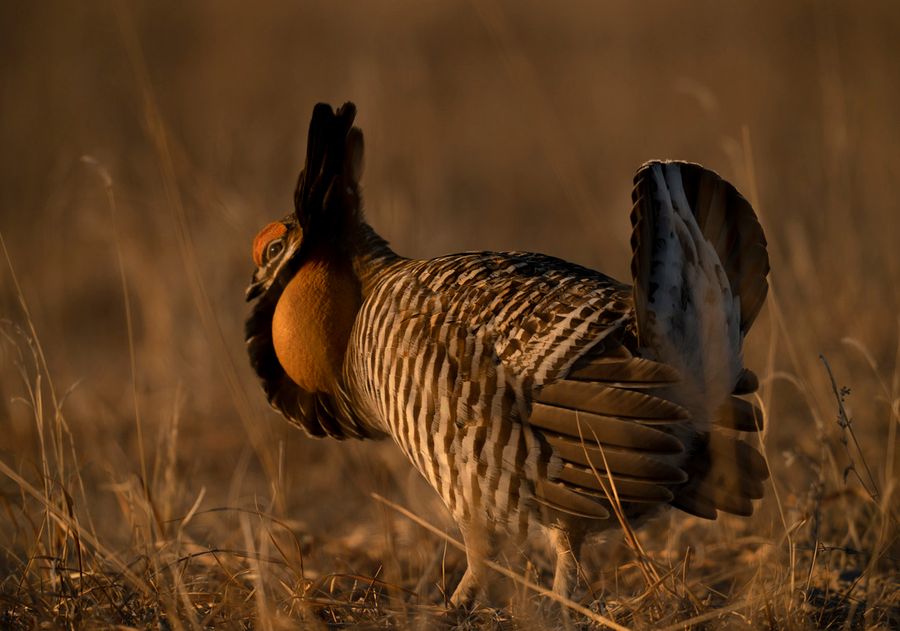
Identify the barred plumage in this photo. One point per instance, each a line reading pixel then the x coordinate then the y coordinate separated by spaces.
pixel 530 392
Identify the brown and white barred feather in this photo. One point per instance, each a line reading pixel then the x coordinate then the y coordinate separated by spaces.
pixel 527 390
pixel 448 352
pixel 511 380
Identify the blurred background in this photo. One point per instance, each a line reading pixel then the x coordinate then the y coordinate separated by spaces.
pixel 495 125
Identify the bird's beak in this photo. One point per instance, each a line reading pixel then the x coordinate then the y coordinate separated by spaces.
pixel 255 289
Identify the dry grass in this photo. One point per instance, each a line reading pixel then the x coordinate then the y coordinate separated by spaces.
pixel 144 481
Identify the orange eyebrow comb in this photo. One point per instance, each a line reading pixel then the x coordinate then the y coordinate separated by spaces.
pixel 271 231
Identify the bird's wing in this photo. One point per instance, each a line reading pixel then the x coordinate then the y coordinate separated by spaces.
pixel 551 338
pixel 618 436
pixel 613 432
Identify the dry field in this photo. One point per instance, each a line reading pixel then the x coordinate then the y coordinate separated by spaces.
pixel 144 481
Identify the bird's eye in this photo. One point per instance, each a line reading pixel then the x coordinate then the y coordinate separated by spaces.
pixel 273 249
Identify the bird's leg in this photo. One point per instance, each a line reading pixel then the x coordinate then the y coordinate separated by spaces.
pixel 567 544
pixel 478 543
pixel 464 593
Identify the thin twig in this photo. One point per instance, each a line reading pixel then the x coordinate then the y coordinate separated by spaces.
pixel 846 424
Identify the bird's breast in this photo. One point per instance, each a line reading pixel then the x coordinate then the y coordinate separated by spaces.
pixel 312 323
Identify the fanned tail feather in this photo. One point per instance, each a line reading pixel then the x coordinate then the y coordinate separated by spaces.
pixel 699 269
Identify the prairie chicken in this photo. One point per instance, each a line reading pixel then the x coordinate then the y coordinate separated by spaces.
pixel 537 397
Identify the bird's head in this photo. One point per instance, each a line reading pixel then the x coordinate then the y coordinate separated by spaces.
pixel 326 202
pixel 305 292
pixel 274 246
